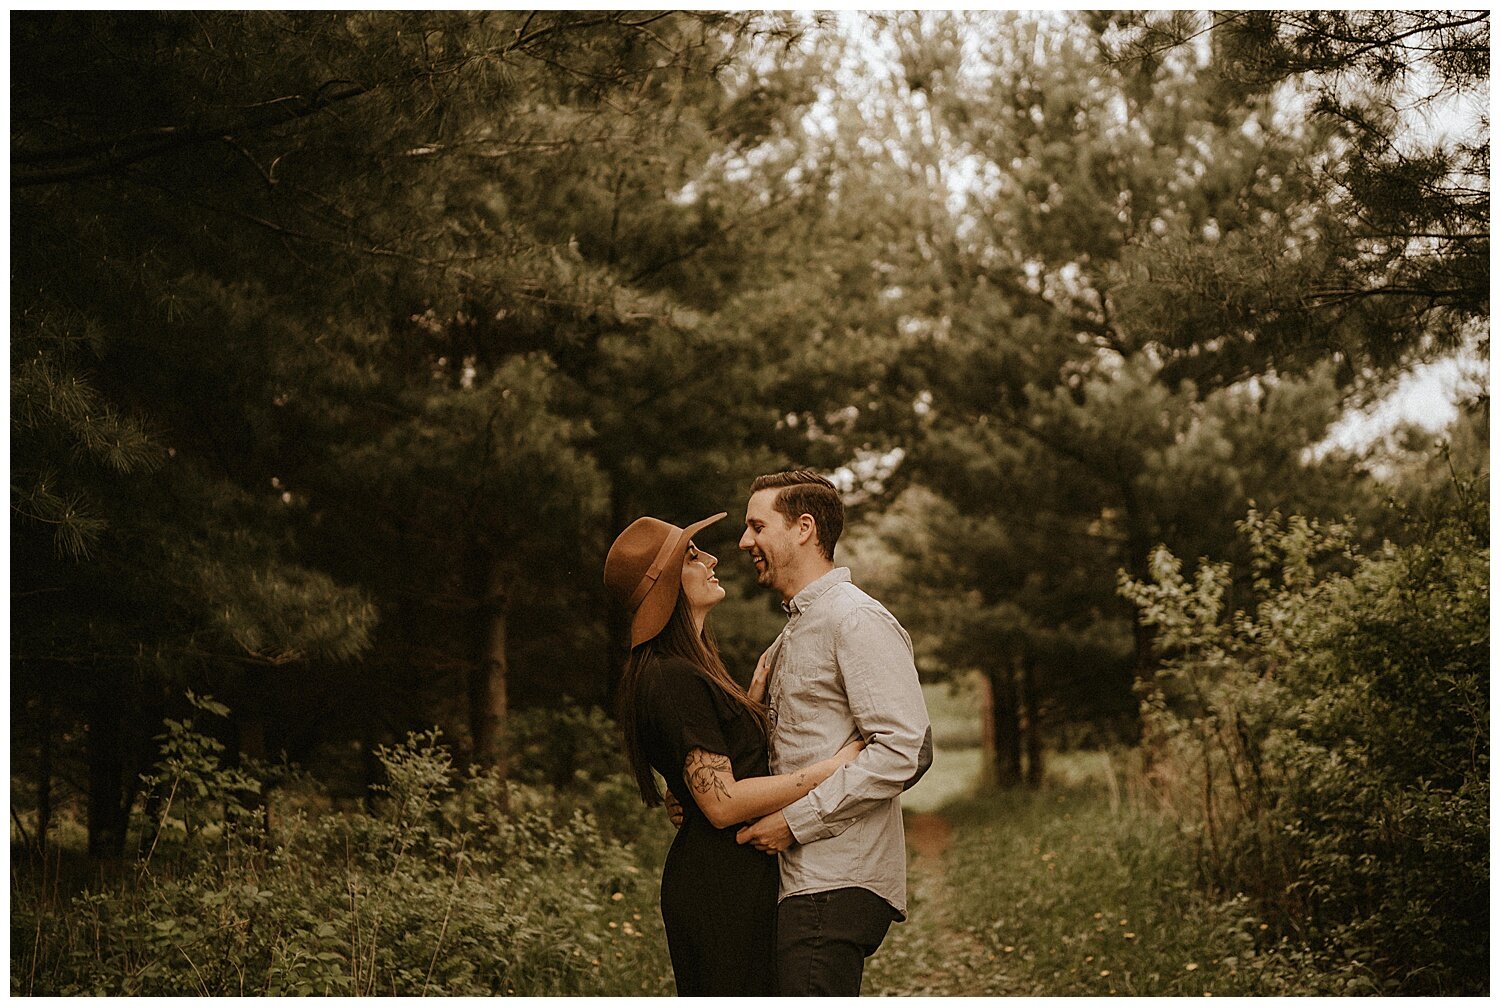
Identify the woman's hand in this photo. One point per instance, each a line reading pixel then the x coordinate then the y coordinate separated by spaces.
pixel 760 679
pixel 827 767
pixel 674 809
pixel 849 751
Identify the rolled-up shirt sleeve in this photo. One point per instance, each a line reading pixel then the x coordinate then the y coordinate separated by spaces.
pixel 874 656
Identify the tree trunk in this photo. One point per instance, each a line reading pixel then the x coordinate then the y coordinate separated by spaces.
pixel 988 753
pixel 44 771
pixel 153 712
pixel 1004 725
pixel 107 810
pixel 1138 546
pixel 374 772
pixel 488 697
pixel 617 625
pixel 1032 724
pixel 250 732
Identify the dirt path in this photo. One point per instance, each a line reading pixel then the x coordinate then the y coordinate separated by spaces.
pixel 928 836
pixel 932 954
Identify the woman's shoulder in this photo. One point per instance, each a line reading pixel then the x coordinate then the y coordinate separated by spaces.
pixel 677 680
pixel 672 670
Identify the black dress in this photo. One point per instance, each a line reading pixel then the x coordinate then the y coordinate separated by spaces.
pixel 718 899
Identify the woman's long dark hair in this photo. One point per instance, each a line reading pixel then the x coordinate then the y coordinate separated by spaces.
pixel 677 639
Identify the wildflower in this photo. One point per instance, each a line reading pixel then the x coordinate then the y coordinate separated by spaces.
pixel 1129 936
pixel 613 925
pixel 1009 948
pixel 1103 973
pixel 1191 966
pixel 617 896
pixel 1088 958
pixel 1098 916
pixel 1124 923
pixel 635 916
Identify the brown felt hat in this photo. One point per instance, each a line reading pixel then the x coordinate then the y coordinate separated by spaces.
pixel 644 570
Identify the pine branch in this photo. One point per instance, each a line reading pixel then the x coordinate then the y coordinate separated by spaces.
pixel 104 156
pixel 703 243
pixel 97 157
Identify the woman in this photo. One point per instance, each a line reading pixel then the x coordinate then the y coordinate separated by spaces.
pixel 685 717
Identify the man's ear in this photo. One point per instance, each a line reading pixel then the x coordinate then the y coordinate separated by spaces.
pixel 807 529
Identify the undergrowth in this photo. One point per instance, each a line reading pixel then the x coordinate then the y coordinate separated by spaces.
pixel 455 884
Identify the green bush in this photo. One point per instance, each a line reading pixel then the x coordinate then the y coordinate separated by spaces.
pixel 1330 749
pixel 455 885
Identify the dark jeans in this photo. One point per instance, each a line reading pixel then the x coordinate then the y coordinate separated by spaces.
pixel 823 939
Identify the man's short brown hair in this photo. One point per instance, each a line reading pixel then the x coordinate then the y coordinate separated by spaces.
pixel 804 492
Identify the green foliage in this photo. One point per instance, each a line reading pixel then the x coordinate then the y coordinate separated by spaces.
pixel 453 885
pixel 352 337
pixel 57 413
pixel 198 789
pixel 1391 254
pixel 1062 428
pixel 1329 746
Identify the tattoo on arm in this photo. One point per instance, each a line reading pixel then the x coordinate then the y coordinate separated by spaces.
pixel 703 769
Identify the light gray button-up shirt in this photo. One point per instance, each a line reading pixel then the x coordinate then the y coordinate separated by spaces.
pixel 842 669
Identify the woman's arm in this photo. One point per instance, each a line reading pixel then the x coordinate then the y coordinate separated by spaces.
pixel 726 801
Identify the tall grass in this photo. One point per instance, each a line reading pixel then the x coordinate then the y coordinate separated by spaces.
pixel 1079 890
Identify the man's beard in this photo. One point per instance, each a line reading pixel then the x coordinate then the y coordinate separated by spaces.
pixel 763 575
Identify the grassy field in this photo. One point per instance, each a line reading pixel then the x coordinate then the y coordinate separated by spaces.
pixel 1069 890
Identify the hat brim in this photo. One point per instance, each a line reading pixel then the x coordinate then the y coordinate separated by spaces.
pixel 656 608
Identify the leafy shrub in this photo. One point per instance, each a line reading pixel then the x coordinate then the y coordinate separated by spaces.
pixel 1330 749
pixel 577 752
pixel 564 746
pixel 455 885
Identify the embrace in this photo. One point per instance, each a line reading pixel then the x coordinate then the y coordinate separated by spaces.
pixel 790 863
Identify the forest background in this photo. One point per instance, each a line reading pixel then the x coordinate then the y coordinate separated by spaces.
pixel 343 344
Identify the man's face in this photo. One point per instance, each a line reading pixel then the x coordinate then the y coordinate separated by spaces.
pixel 769 538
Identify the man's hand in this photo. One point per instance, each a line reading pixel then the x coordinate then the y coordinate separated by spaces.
pixel 769 835
pixel 674 808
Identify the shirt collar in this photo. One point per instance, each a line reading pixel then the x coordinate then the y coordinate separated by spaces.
pixel 804 598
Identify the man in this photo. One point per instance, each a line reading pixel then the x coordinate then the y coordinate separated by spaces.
pixel 842 668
